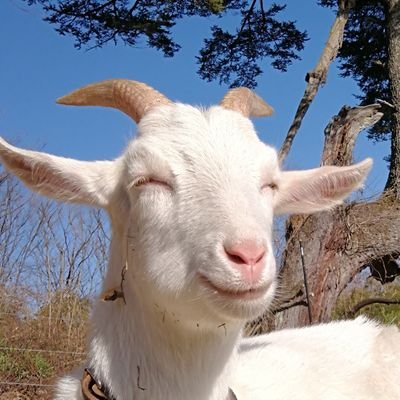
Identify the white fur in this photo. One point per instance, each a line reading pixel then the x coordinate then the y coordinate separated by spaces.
pixel 176 338
pixel 336 361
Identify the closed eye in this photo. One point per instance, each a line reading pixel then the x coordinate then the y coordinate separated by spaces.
pixel 269 186
pixel 143 181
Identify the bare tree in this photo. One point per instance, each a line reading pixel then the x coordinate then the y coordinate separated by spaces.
pixel 46 248
pixel 337 245
pixel 17 231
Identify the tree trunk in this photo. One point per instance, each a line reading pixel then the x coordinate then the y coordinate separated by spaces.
pixel 393 25
pixel 340 243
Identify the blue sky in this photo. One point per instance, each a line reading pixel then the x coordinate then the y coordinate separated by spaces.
pixel 38 65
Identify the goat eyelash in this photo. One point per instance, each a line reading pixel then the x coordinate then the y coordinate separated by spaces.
pixel 143 180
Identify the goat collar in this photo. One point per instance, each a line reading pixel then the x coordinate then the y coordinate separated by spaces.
pixel 95 390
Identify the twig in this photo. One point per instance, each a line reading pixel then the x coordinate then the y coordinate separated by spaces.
pixel 114 294
pixel 223 325
pixel 386 104
pixel 305 281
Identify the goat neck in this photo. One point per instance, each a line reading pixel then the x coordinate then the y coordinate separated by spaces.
pixel 169 356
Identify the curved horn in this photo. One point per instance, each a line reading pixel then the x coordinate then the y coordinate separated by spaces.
pixel 133 98
pixel 246 102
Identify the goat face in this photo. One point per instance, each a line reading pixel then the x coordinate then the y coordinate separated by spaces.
pixel 201 188
pixel 193 196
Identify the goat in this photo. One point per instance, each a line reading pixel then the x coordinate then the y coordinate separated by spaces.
pixel 191 204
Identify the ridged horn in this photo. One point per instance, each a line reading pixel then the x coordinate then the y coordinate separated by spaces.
pixel 131 97
pixel 246 102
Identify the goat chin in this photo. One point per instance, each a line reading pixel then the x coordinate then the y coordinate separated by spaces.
pixel 191 202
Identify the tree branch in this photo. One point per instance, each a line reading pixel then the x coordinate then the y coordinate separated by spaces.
pixel 372 229
pixel 318 76
pixel 342 131
pixel 368 302
pixel 296 299
pixel 287 306
pixel 247 16
pixel 262 10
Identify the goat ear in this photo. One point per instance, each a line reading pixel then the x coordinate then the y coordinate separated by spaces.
pixel 61 178
pixel 305 192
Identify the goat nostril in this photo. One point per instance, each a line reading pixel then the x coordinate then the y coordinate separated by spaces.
pixel 235 258
pixel 248 253
pixel 261 256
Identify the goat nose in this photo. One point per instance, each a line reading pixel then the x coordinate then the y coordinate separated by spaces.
pixel 245 252
pixel 247 257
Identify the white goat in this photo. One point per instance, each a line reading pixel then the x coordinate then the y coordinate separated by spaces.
pixel 191 203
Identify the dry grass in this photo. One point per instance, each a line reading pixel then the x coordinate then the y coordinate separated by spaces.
pixel 57 331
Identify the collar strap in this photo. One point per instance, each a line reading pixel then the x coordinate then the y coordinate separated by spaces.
pixel 92 389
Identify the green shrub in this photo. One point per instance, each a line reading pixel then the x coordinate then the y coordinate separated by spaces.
pixel 43 368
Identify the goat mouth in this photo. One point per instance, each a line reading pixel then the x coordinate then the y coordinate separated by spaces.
pixel 247 294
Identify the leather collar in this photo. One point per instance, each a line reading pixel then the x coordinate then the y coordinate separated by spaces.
pixel 93 389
